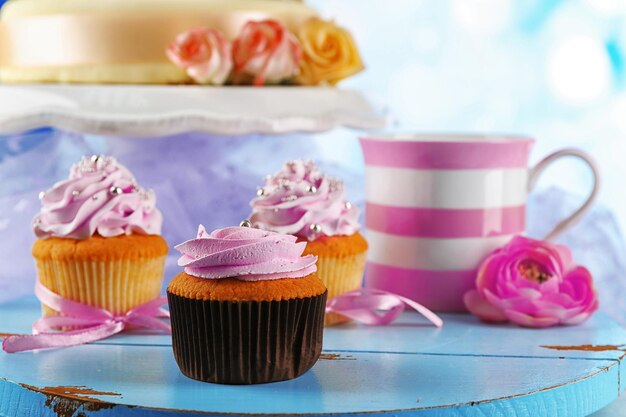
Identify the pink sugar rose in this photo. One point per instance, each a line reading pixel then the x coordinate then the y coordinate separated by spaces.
pixel 266 51
pixel 204 53
pixel 532 283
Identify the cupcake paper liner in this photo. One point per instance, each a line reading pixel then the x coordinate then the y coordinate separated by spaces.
pixel 246 342
pixel 115 285
pixel 340 275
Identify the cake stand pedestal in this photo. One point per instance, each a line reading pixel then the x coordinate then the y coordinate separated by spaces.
pixel 405 369
pixel 147 111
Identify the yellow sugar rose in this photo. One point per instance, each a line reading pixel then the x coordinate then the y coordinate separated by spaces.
pixel 329 53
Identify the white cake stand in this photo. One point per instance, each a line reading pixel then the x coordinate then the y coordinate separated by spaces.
pixel 145 111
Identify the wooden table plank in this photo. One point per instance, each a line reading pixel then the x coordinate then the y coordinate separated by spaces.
pixel 464 369
pixel 349 383
pixel 464 334
pixel 615 409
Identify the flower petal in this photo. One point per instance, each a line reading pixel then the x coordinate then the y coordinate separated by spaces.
pixel 533 283
pixel 530 321
pixel 479 307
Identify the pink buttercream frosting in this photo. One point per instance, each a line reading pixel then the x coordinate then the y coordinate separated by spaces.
pixel 100 196
pixel 300 200
pixel 245 253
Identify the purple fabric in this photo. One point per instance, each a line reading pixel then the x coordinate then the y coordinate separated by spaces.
pixel 206 179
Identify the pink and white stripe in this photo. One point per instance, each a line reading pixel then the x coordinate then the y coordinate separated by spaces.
pixel 436 205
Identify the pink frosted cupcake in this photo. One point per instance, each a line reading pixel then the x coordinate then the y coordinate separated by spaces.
pixel 247 309
pixel 99 238
pixel 300 200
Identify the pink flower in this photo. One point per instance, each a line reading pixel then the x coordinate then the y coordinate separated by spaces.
pixel 266 51
pixel 532 283
pixel 204 53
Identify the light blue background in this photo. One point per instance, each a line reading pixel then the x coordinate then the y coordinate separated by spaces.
pixel 551 69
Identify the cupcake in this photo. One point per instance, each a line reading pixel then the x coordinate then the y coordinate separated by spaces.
pixel 99 238
pixel 248 308
pixel 301 201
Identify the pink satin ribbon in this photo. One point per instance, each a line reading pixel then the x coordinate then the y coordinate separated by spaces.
pixel 95 323
pixel 376 307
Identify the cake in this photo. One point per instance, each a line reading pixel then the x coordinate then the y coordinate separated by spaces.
pixel 302 201
pixel 247 309
pixel 99 238
pixel 125 41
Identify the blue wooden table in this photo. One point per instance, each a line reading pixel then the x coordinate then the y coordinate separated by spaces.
pixel 405 369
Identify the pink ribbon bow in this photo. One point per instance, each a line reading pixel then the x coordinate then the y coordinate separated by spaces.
pixel 95 323
pixel 376 307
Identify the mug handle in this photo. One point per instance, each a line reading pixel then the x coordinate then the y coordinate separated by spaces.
pixel 573 218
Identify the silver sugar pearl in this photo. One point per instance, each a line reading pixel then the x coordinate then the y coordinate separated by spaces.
pixel 42 194
pixel 348 205
pixel 245 223
pixel 75 193
pixel 311 189
pixel 315 228
pixel 289 198
pixel 94 197
pixel 260 192
pixel 37 221
pixel 95 158
pixel 115 190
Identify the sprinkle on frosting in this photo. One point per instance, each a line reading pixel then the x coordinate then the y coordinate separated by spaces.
pixel 245 253
pixel 300 200
pixel 101 196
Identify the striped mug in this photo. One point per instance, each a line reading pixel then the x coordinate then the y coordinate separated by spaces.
pixel 437 204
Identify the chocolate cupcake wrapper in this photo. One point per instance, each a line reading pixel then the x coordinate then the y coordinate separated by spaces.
pixel 246 342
